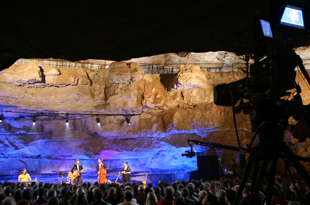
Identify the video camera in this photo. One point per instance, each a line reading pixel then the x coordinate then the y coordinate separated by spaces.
pixel 190 153
pixel 269 91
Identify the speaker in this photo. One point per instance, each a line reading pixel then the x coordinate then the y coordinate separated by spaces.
pixel 194 175
pixel 241 161
pixel 208 167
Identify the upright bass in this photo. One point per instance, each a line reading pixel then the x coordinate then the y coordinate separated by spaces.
pixel 102 173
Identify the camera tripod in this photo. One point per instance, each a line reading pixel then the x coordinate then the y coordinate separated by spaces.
pixel 268 152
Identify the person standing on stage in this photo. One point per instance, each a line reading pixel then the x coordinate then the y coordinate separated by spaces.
pixel 126 173
pixel 24 176
pixel 78 169
pixel 99 168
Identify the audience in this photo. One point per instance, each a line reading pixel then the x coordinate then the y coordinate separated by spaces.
pixel 203 192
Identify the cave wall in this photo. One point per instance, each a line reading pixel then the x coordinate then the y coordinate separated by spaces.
pixel 164 111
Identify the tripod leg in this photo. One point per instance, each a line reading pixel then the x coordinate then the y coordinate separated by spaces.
pixel 298 166
pixel 257 185
pixel 272 175
pixel 244 179
pixel 292 178
pixel 254 174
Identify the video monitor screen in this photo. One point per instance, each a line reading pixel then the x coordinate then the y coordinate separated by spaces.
pixel 266 28
pixel 292 16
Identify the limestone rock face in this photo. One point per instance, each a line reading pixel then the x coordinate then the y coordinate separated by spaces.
pixel 190 76
pixel 124 97
pixel 24 75
pixel 120 72
pixel 154 94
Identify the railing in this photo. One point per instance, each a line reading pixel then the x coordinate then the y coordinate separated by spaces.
pixel 147 68
pixel 174 68
pixel 62 63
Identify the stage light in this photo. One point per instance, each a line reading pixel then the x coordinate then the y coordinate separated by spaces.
pixel 67 120
pixel 1 118
pixel 127 120
pixel 34 119
pixel 98 121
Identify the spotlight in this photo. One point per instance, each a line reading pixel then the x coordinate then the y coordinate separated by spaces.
pixel 1 118
pixel 67 120
pixel 34 119
pixel 98 121
pixel 127 120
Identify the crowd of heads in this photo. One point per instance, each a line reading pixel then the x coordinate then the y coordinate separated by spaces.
pixel 194 192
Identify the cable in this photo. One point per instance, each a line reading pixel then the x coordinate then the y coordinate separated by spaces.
pixel 237 134
pixel 236 129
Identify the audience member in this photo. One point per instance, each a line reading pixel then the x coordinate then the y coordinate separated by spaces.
pixel 141 197
pixel 184 196
pixel 151 199
pixel 179 201
pixel 40 199
pixel 210 199
pixel 111 197
pixel 230 196
pixel 99 198
pixel 52 201
pixel 127 198
pixel 246 195
pixel 8 201
pixel 168 196
pixel 157 191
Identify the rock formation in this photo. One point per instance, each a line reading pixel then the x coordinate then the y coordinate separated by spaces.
pixel 163 110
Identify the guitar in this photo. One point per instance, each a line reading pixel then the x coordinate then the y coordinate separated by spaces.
pixel 75 174
pixel 144 182
pixel 117 177
pixel 29 181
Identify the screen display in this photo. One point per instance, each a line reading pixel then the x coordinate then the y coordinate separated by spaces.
pixel 266 28
pixel 292 16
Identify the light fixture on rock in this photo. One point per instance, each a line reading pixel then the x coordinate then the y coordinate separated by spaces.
pixel 98 121
pixel 34 119
pixel 67 119
pixel 127 119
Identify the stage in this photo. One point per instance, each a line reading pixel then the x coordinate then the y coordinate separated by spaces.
pixel 153 177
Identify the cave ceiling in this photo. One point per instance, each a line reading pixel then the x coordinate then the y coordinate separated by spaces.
pixel 121 30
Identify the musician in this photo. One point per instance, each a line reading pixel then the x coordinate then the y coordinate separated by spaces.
pixel 77 169
pixel 101 171
pixel 24 176
pixel 99 165
pixel 126 173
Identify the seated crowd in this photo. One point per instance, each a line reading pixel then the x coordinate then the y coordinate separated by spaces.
pixel 196 192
